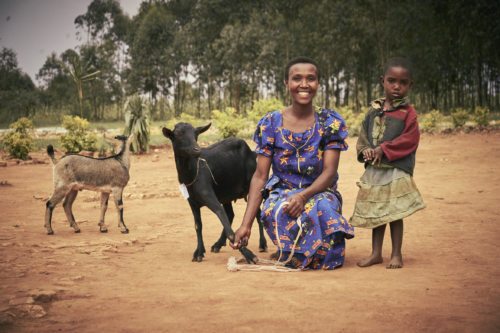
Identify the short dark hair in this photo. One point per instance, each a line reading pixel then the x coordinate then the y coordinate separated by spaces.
pixel 399 62
pixel 300 60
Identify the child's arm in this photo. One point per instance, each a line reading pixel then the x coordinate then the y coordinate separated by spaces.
pixel 363 144
pixel 407 142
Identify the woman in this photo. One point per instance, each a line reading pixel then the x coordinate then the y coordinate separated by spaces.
pixel 302 207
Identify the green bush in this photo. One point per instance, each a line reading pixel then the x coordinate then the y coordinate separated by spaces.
pixel 228 122
pixel 263 106
pixel 78 137
pixel 353 120
pixel 137 123
pixel 19 141
pixel 429 122
pixel 459 117
pixel 481 116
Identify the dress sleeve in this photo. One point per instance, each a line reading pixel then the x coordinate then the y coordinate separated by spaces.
pixel 335 132
pixel 264 136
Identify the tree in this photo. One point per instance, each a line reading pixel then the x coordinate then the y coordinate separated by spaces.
pixel 18 94
pixel 80 70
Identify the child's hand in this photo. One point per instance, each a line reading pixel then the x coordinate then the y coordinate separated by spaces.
pixel 378 154
pixel 368 154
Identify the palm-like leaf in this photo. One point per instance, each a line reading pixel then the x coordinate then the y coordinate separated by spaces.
pixel 137 123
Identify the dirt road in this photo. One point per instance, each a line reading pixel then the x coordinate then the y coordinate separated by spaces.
pixel 145 281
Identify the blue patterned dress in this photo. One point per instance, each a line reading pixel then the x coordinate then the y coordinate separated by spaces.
pixel 297 160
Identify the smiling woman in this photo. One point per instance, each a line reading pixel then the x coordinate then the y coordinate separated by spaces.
pixel 302 207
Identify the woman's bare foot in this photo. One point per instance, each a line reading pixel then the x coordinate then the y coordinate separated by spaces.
pixel 275 255
pixel 371 260
pixel 396 262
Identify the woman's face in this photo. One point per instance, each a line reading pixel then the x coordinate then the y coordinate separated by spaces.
pixel 302 83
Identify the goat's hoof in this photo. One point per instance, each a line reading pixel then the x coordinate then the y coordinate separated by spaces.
pixel 77 231
pixel 51 232
pixel 215 249
pixel 249 256
pixel 125 231
pixel 103 230
pixel 263 249
pixel 198 259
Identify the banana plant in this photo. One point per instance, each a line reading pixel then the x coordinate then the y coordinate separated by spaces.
pixel 137 123
pixel 80 72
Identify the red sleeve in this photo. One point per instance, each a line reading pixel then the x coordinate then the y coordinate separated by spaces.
pixel 407 142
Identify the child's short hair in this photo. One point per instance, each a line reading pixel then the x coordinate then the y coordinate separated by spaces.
pixel 399 62
pixel 300 60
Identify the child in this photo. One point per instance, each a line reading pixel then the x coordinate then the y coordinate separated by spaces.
pixel 387 144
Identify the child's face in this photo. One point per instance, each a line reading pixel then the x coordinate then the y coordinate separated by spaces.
pixel 396 82
pixel 302 82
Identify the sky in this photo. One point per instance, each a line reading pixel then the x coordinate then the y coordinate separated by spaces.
pixel 36 28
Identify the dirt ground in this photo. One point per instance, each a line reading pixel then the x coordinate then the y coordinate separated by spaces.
pixel 145 281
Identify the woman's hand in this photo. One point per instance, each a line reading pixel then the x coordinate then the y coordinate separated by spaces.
pixel 295 205
pixel 241 237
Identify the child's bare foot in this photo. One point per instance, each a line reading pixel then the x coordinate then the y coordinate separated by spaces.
pixel 396 262
pixel 371 260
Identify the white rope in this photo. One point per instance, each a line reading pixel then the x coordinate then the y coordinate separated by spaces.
pixel 274 266
pixel 234 266
pixel 198 169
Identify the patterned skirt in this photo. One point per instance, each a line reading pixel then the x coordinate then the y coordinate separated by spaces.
pixel 385 195
pixel 317 237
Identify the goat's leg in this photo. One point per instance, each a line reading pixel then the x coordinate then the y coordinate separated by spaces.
pixel 199 253
pixel 118 196
pixel 228 208
pixel 57 196
pixel 262 238
pixel 104 207
pixel 216 207
pixel 68 209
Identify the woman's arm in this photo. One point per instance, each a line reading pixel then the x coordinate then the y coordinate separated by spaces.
pixel 257 183
pixel 297 202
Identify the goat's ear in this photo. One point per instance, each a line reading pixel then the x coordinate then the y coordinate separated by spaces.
pixel 168 133
pixel 202 129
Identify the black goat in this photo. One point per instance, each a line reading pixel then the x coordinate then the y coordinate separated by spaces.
pixel 214 176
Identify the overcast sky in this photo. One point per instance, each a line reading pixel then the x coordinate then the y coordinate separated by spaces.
pixel 36 28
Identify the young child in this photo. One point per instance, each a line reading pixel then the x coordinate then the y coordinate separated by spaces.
pixel 386 145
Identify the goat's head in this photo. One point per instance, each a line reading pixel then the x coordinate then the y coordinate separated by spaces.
pixel 184 137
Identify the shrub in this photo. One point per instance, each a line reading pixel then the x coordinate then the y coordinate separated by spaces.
pixel 263 106
pixel 19 141
pixel 481 116
pixel 459 117
pixel 137 123
pixel 228 122
pixel 78 136
pixel 429 122
pixel 353 120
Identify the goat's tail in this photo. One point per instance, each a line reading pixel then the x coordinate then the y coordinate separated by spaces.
pixel 50 152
